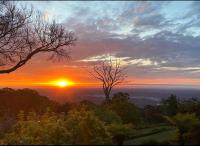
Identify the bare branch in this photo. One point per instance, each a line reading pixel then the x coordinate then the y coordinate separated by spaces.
pixel 23 35
pixel 109 73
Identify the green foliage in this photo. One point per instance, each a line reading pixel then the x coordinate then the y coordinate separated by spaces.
pixel 32 130
pixel 102 113
pixel 126 110
pixel 80 126
pixel 170 105
pixel 184 123
pixel 116 121
pixel 64 108
pixel 152 115
pixel 190 106
pixel 86 128
pixel 120 132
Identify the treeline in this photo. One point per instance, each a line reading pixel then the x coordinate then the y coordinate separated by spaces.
pixel 29 118
pixel 184 115
pixel 12 101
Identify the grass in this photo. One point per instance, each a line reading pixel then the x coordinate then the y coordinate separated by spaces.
pixel 149 131
pixel 158 134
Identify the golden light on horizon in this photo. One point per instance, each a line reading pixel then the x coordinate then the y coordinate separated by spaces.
pixel 62 83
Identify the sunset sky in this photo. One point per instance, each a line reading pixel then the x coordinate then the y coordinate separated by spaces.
pixel 158 41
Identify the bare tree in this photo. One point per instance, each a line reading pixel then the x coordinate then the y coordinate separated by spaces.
pixel 23 34
pixel 110 73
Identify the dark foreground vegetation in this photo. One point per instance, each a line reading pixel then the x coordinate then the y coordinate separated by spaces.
pixel 29 118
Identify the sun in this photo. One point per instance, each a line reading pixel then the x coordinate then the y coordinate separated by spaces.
pixel 63 84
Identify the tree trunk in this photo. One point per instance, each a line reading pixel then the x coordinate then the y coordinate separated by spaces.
pixel 107 94
pixel 107 97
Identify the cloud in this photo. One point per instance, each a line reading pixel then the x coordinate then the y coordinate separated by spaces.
pixel 165 50
pixel 125 61
pixel 154 20
pixel 153 43
pixel 180 69
pixel 143 62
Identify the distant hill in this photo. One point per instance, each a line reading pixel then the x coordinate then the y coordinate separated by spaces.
pixel 12 101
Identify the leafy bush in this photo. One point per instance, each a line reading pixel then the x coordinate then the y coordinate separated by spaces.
pixel 127 111
pixel 33 130
pixel 184 123
pixel 86 128
pixel 120 132
pixel 80 126
pixel 106 115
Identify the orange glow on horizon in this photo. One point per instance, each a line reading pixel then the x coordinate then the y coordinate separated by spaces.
pixel 75 77
pixel 60 83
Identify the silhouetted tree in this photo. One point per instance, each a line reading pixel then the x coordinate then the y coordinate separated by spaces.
pixel 190 106
pixel 170 105
pixel 152 114
pixel 110 73
pixel 23 34
pixel 23 99
pixel 121 105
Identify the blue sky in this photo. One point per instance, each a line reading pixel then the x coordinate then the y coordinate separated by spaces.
pixel 155 39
